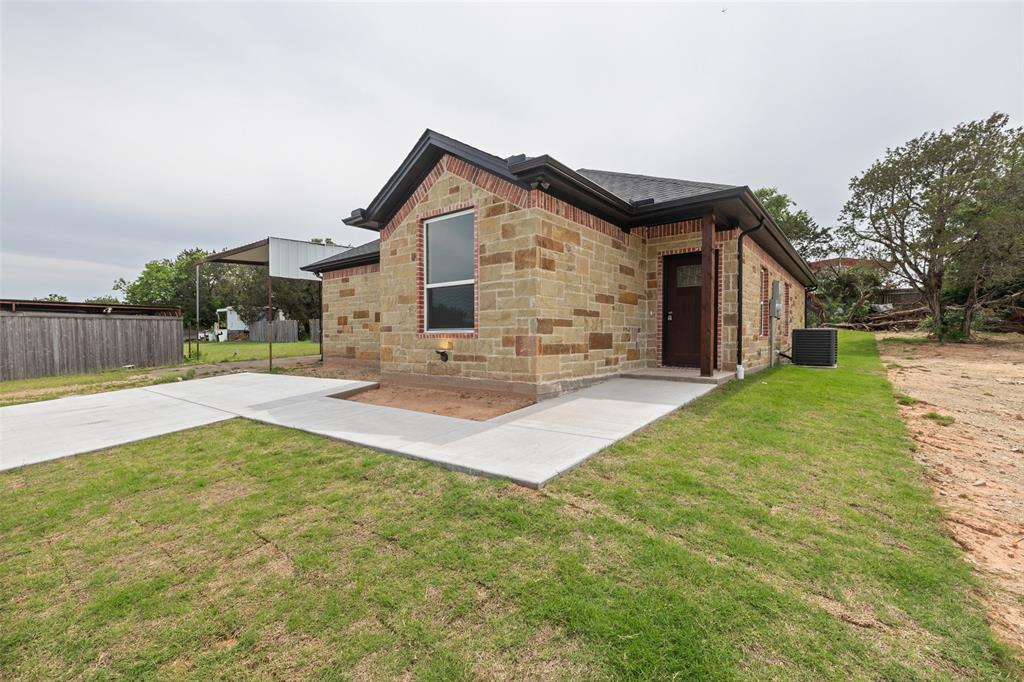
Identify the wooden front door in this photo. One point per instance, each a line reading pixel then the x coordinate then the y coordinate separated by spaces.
pixel 680 310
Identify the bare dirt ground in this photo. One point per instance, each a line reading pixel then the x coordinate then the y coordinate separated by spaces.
pixel 464 404
pixel 450 402
pixel 976 463
pixel 338 370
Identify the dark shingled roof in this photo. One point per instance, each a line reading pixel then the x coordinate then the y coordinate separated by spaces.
pixel 632 188
pixel 625 200
pixel 360 255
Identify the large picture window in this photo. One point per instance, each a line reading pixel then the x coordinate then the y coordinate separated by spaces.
pixel 450 277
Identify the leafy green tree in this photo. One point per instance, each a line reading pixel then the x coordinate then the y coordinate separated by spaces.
pixel 991 265
pixel 811 241
pixel 172 282
pixel 245 289
pixel 103 299
pixel 911 208
pixel 846 293
pixel 56 298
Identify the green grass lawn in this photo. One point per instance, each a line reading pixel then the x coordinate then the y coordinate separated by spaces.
pixel 230 351
pixel 776 529
pixel 19 391
pixel 46 388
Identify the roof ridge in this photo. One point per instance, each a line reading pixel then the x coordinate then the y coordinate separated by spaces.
pixel 653 177
pixel 449 138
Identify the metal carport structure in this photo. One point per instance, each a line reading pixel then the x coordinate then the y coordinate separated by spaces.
pixel 284 258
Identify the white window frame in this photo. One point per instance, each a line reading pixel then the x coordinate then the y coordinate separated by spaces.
pixel 453 283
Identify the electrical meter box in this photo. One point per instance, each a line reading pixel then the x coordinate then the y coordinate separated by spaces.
pixel 776 301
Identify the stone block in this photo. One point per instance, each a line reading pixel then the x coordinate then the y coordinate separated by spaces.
pixel 600 341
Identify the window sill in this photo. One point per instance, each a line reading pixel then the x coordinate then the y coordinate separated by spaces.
pixel 448 334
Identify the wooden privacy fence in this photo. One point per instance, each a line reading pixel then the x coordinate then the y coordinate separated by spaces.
pixel 37 344
pixel 284 331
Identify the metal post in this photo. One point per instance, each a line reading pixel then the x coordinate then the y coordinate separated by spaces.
pixel 197 309
pixel 321 306
pixel 270 323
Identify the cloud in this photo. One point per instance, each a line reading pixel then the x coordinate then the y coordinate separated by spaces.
pixel 27 276
pixel 132 131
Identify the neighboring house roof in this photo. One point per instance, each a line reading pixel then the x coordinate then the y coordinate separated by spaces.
pixel 360 255
pixel 625 200
pixel 637 188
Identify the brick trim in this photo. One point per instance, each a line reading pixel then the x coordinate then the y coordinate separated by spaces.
pixel 489 182
pixel 661 299
pixel 468 172
pixel 785 313
pixel 350 272
pixel 421 292
pixel 671 229
pixel 765 318
pixel 683 227
pixel 767 258
pixel 546 202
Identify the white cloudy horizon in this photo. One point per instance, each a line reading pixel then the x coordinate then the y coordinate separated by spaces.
pixel 132 131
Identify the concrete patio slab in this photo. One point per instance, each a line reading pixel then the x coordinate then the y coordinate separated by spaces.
pixel 690 374
pixel 529 446
pixel 36 432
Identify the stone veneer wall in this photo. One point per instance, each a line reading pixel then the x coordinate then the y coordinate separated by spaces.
pixel 560 294
pixel 755 345
pixel 589 288
pixel 563 298
pixel 351 300
pixel 505 290
pixel 685 237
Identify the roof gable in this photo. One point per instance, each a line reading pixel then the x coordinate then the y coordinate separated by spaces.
pixel 624 200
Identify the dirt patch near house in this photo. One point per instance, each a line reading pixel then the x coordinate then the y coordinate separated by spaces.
pixel 460 403
pixel 975 462
pixel 338 370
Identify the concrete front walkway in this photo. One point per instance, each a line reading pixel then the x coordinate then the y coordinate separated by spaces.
pixel 529 446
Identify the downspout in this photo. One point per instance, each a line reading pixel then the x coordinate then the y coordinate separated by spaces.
pixel 739 296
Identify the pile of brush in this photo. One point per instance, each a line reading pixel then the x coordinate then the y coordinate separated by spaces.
pixel 890 320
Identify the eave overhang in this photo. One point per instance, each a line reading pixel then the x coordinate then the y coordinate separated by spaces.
pixel 329 266
pixel 735 206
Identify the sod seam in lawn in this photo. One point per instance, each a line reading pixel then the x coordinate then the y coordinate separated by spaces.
pixel 777 528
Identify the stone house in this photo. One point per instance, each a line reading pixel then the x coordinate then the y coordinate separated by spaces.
pixel 521 274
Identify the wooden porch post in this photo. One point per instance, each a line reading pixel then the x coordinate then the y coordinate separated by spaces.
pixel 707 294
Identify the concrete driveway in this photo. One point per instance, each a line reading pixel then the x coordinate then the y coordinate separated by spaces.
pixel 529 446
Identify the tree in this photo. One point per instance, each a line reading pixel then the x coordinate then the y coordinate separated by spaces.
pixel 56 298
pixel 991 265
pixel 810 239
pixel 845 294
pixel 108 300
pixel 909 207
pixel 245 287
pixel 173 282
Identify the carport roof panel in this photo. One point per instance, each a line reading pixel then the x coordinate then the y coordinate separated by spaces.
pixel 284 256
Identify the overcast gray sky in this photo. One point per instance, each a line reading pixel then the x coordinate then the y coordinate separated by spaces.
pixel 132 131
